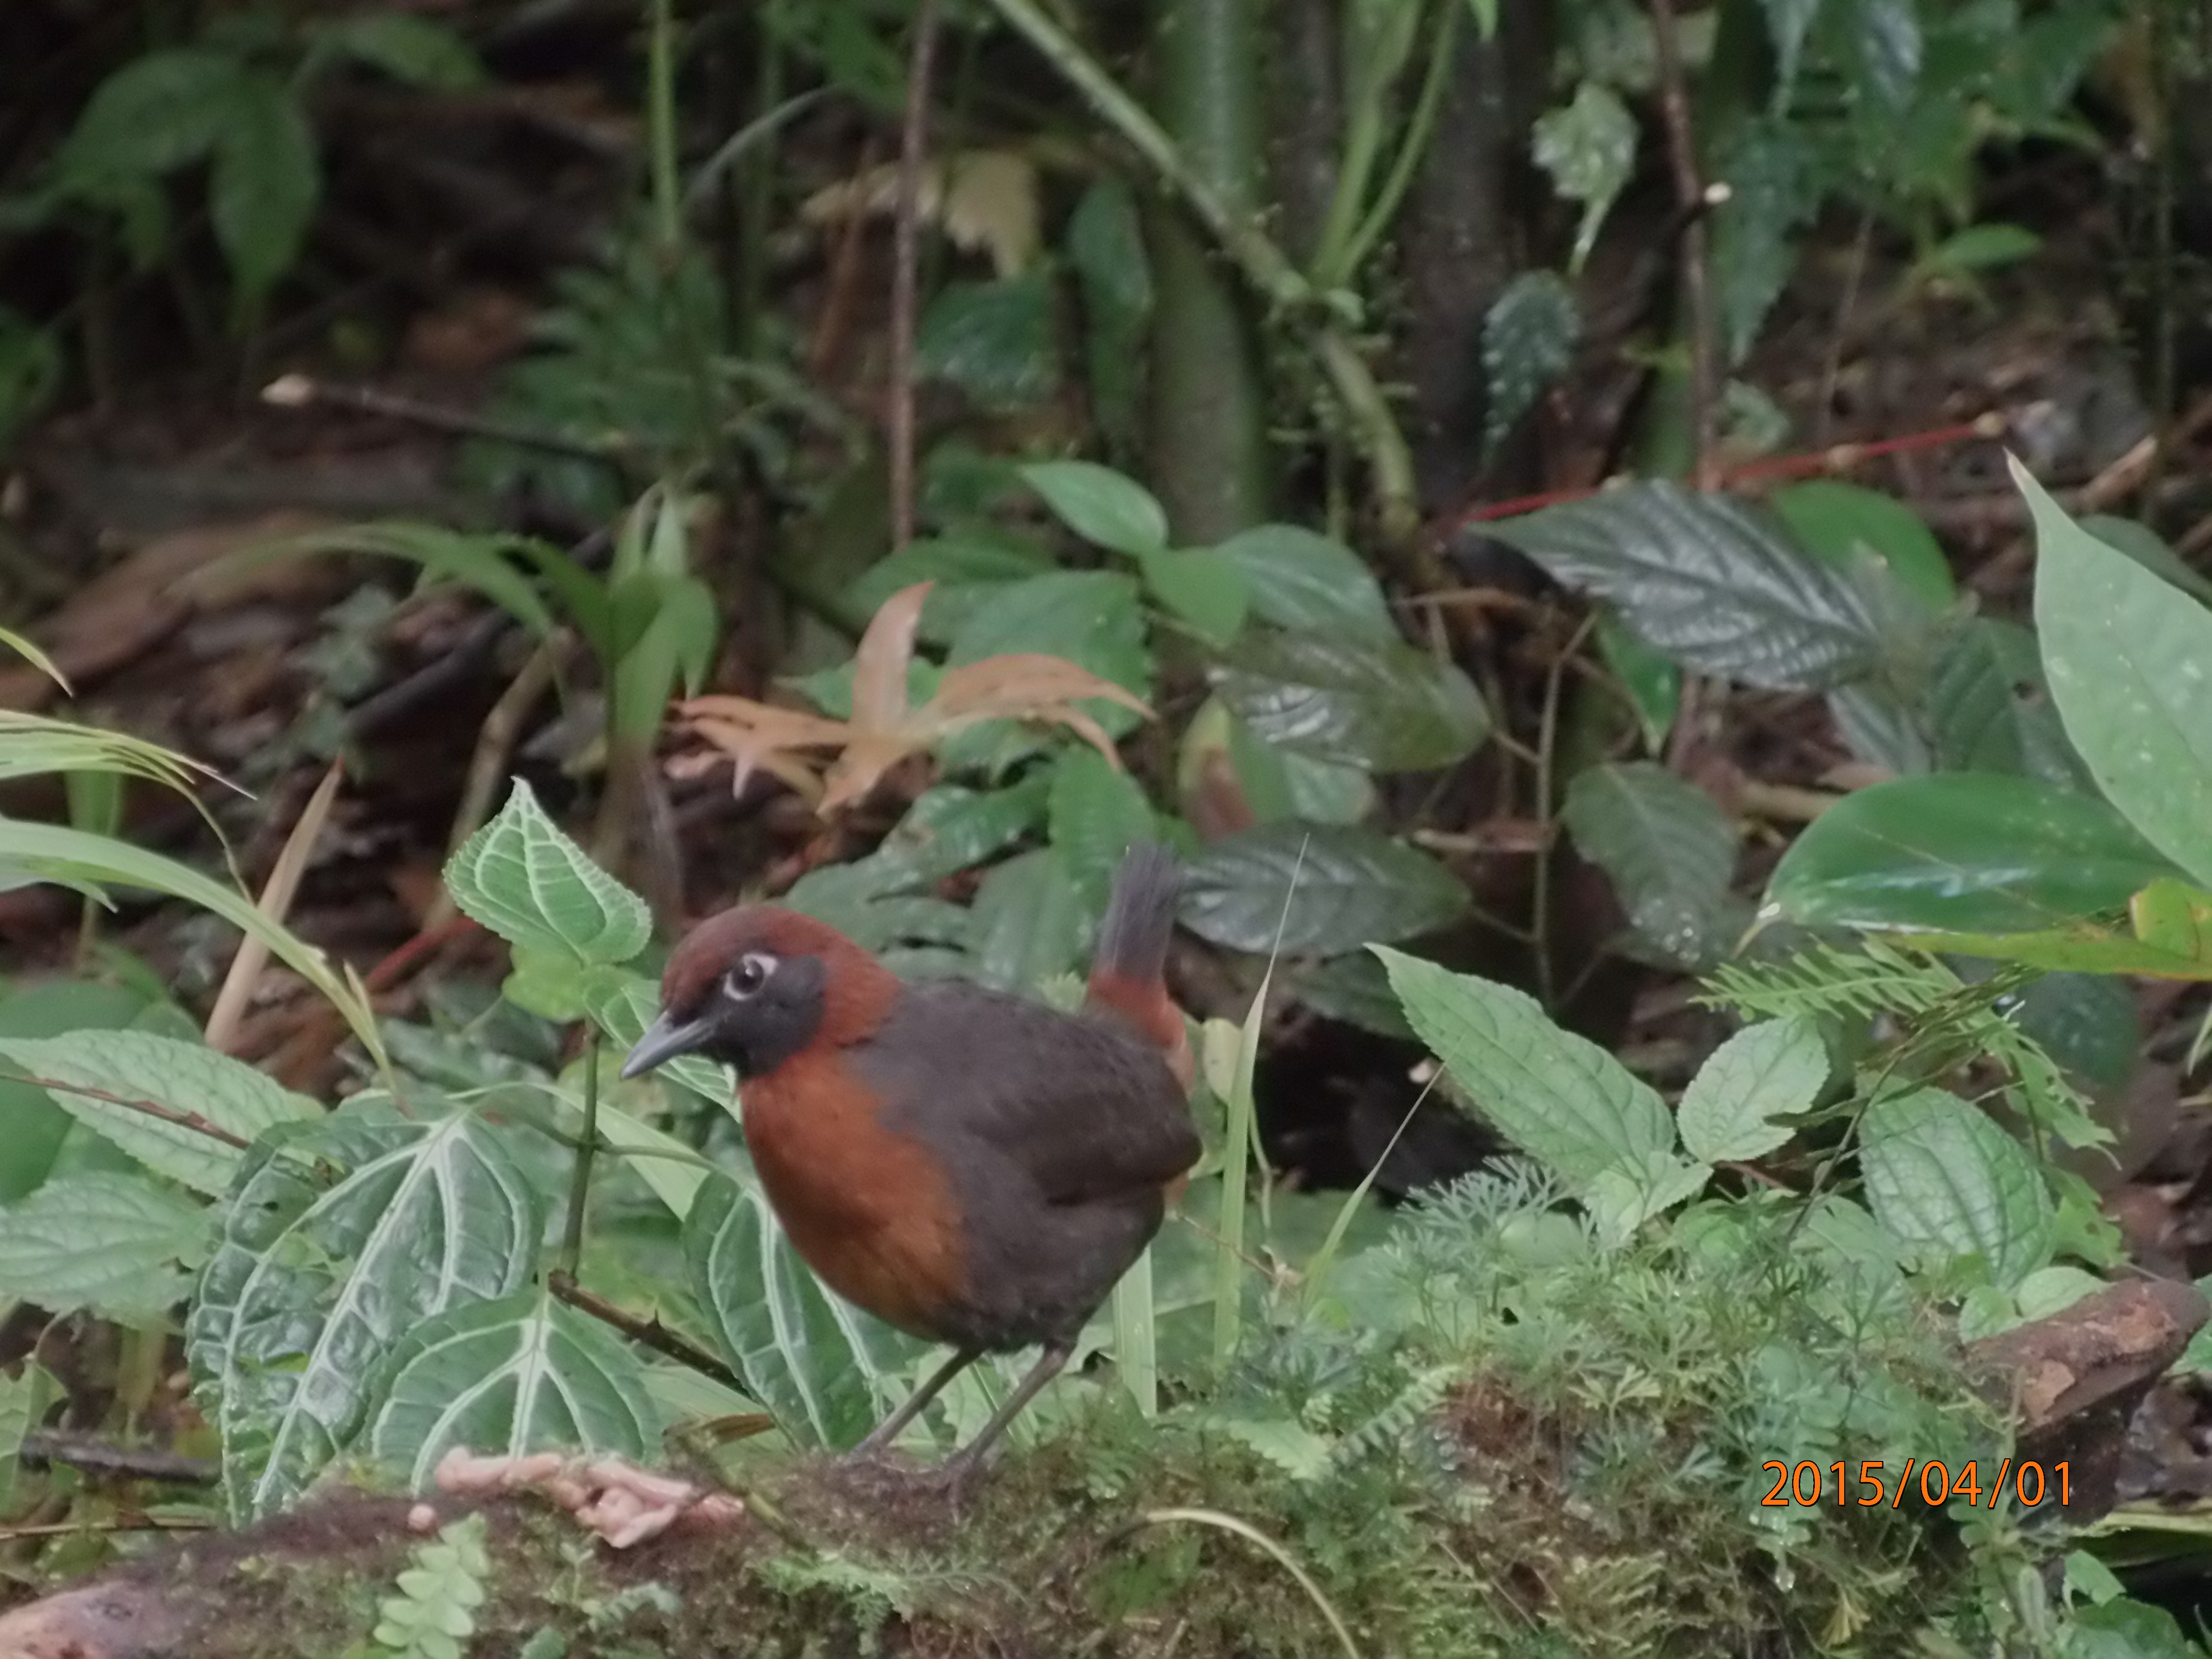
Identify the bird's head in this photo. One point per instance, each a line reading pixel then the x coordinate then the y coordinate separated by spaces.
pixel 755 986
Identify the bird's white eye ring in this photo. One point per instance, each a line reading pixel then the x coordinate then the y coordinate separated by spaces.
pixel 749 975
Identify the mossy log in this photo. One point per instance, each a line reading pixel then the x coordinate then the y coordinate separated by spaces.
pixel 1081 1546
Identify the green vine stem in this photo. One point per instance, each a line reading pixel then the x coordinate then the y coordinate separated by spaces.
pixel 1264 266
pixel 1419 128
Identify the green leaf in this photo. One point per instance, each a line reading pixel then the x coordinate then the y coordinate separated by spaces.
pixel 1380 704
pixel 1979 247
pixel 1345 887
pixel 1206 590
pixel 1302 581
pixel 1710 581
pixel 160 111
pixel 876 903
pixel 1091 617
pixel 530 884
pixel 1528 340
pixel 2149 549
pixel 1094 813
pixel 1669 850
pixel 344 1237
pixel 998 342
pixel 1989 709
pixel 622 1006
pixel 1839 520
pixel 24 1399
pixel 104 1240
pixel 2167 934
pixel 51 852
pixel 1882 48
pixel 950 827
pixel 1947 1183
pixel 1104 507
pixel 1354 989
pixel 1558 1097
pixel 36 1127
pixel 1772 169
pixel 963 566
pixel 264 184
pixel 1027 922
pixel 1281 783
pixel 183 1078
pixel 818 1363
pixel 2129 660
pixel 521 1375
pixel 1653 684
pixel 1106 246
pixel 407 48
pixel 1786 23
pixel 1961 852
pixel 1589 147
pixel 1772 1069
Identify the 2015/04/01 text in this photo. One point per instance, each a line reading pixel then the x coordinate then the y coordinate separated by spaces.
pixel 1808 1483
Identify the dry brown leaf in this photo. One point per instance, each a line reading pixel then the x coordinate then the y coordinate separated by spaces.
pixel 884 730
pixel 992 203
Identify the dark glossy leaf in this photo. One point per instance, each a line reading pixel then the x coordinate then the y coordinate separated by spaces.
pixel 1962 852
pixel 1302 581
pixel 1989 708
pixel 1841 521
pixel 880 903
pixel 2088 1022
pixel 1353 887
pixel 1281 783
pixel 521 1375
pixel 1882 729
pixel 1369 703
pixel 816 1362
pixel 1355 989
pixel 1710 581
pixel 1668 849
pixel 2130 659
pixel 1107 248
pixel 343 1238
pixel 1528 340
pixel 995 341
pixel 264 184
pixel 1945 1182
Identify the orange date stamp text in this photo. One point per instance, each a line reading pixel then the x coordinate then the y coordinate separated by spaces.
pixel 1872 1484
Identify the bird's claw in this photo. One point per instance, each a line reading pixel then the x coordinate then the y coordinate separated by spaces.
pixel 623 1503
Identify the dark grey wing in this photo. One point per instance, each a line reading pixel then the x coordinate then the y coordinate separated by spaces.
pixel 1086 1108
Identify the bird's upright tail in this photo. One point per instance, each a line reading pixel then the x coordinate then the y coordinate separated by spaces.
pixel 1129 972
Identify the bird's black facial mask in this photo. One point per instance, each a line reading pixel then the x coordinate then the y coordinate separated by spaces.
pixel 757 1015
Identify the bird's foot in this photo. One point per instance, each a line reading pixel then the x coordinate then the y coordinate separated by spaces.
pixel 623 1503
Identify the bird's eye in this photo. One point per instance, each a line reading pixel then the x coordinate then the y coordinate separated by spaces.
pixel 749 975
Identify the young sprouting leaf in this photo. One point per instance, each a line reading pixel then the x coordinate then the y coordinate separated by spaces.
pixel 186 1080
pixel 1558 1097
pixel 1104 507
pixel 343 1238
pixel 2129 661
pixel 1765 1071
pixel 1322 888
pixel 530 884
pixel 884 729
pixel 103 1240
pixel 522 1373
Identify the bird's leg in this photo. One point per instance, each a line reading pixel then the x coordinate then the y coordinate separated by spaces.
pixel 964 1462
pixel 891 1427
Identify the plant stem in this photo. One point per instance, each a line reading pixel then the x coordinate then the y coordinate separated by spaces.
pixel 1689 198
pixel 1539 896
pixel 913 141
pixel 580 1182
pixel 1415 144
pixel 647 1333
pixel 660 116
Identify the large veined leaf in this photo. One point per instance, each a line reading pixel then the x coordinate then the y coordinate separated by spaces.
pixel 2129 661
pixel 950 827
pixel 1344 696
pixel 103 1240
pixel 54 852
pixel 1709 580
pixel 820 1365
pixel 1771 1069
pixel 1989 709
pixel 527 881
pixel 1096 812
pixel 343 1238
pixel 1027 923
pixel 1304 580
pixel 186 1078
pixel 1558 1097
pixel 523 1374
pixel 1343 887
pixel 1100 505
pixel 1964 852
pixel 1945 1183
pixel 1668 849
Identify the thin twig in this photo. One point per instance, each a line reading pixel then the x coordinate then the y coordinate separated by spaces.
pixel 1540 897
pixel 1689 197
pixel 835 320
pixel 300 391
pixel 116 1524
pixel 648 1333
pixel 192 1121
pixel 914 142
